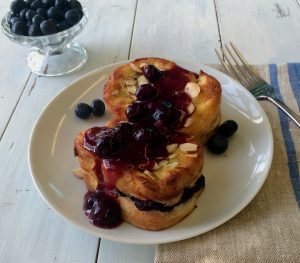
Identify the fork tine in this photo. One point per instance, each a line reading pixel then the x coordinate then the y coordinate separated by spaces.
pixel 223 62
pixel 245 73
pixel 238 75
pixel 253 74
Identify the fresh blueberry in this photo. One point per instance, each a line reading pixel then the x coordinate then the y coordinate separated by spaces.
pixel 17 5
pixel 19 27
pixel 48 27
pixel 80 12
pixel 14 19
pixel 62 26
pixel 146 92
pixel 217 143
pixel 75 4
pixel 23 13
pixel 28 2
pixel 136 112
pixel 36 4
pixel 48 3
pixel 72 17
pixel 228 128
pixel 151 72
pixel 28 24
pixel 61 4
pixel 37 19
pixel 30 14
pixel 55 13
pixel 34 30
pixel 41 12
pixel 82 110
pixel 98 107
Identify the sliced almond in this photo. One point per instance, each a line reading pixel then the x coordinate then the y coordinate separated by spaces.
pixel 78 172
pixel 135 68
pixel 172 156
pixel 192 89
pixel 130 82
pixel 172 147
pixel 147 172
pixel 188 147
pixel 142 65
pixel 172 165
pixel 142 80
pixel 192 155
pixel 155 166
pixel 131 89
pixel 190 108
pixel 115 93
pixel 163 163
pixel 188 122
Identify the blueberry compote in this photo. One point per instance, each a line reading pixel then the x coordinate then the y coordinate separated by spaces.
pixel 162 103
pixel 140 143
pixel 102 209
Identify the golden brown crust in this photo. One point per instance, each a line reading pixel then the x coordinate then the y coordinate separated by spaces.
pixel 206 116
pixel 156 220
pixel 164 185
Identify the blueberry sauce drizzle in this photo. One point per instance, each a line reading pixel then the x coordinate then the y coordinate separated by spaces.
pixel 149 205
pixel 139 143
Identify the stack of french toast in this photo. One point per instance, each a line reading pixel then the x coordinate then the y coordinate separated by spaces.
pixel 149 157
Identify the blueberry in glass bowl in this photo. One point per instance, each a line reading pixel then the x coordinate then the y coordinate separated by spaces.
pixel 48 27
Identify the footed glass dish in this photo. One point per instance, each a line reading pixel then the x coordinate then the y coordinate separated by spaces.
pixel 52 55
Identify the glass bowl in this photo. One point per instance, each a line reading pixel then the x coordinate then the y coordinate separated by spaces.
pixel 55 54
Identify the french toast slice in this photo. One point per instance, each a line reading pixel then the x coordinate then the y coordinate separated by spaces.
pixel 202 113
pixel 153 198
pixel 164 182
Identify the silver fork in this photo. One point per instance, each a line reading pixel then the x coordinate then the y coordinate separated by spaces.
pixel 241 70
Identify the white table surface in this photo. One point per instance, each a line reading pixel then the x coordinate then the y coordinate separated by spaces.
pixel 267 31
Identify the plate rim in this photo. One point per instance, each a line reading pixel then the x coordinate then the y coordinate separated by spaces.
pixel 161 240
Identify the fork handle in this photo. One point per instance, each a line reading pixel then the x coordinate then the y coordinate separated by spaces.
pixel 295 117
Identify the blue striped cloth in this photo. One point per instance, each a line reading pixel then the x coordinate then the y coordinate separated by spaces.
pixel 293 72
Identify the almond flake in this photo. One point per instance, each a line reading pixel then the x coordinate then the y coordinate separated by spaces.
pixel 192 155
pixel 172 156
pixel 192 89
pixel 155 166
pixel 188 122
pixel 115 93
pixel 130 82
pixel 147 173
pixel 188 147
pixel 172 147
pixel 131 89
pixel 135 68
pixel 190 108
pixel 78 172
pixel 142 80
pixel 172 165
pixel 163 163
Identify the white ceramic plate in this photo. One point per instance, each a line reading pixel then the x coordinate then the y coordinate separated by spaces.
pixel 232 179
